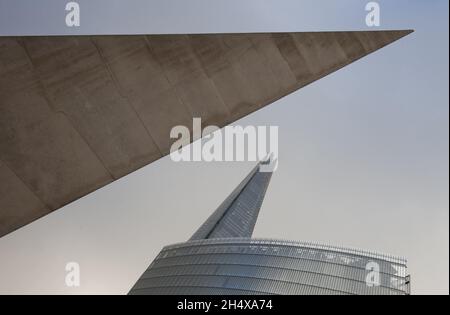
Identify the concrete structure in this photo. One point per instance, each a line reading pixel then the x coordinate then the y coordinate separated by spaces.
pixel 77 113
pixel 221 258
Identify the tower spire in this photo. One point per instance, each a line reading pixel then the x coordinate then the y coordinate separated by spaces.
pixel 236 217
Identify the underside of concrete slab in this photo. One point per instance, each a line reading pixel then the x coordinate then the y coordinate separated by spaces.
pixel 78 112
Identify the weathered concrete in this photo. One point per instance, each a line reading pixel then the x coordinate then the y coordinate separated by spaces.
pixel 77 113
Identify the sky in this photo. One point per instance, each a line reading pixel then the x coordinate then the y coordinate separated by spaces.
pixel 363 153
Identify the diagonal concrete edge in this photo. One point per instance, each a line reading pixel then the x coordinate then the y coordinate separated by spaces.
pixel 77 113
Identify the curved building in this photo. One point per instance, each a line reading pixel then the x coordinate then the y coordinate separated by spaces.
pixel 222 259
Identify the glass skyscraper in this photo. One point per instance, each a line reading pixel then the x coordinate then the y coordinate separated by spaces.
pixel 221 258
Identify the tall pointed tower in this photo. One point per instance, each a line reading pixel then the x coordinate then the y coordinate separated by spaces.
pixel 221 258
pixel 237 215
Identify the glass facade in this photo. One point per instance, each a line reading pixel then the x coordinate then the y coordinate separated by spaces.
pixel 237 215
pixel 222 259
pixel 250 266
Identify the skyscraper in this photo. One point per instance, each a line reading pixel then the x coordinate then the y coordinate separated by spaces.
pixel 221 258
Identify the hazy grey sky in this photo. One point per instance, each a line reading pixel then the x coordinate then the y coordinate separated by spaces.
pixel 363 153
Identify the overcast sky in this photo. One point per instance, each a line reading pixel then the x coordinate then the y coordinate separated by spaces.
pixel 363 152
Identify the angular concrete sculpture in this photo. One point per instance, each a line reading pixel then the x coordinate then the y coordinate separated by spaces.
pixel 79 112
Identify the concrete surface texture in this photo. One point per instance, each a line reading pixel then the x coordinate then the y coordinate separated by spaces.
pixel 78 112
